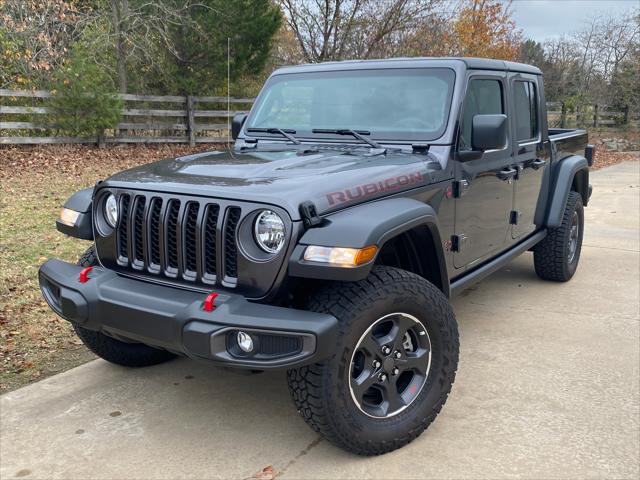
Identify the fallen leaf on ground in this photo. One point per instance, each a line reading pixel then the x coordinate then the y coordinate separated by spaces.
pixel 267 473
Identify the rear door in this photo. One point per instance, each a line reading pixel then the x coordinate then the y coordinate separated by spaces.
pixel 529 156
pixel 484 196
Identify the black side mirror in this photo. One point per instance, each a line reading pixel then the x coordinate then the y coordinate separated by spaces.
pixel 489 132
pixel 236 124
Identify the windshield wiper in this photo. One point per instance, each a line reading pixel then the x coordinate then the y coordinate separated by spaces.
pixel 285 133
pixel 348 131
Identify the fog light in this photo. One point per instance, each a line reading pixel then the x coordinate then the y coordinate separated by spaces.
pixel 245 342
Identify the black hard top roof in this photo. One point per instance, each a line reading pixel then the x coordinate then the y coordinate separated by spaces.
pixel 470 63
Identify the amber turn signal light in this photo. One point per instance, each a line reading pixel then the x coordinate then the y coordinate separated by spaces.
pixel 340 256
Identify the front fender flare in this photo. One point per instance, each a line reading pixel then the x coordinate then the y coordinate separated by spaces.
pixel 370 224
pixel 566 171
pixel 80 202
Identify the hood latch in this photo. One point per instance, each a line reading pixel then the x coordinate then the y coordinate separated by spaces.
pixel 309 214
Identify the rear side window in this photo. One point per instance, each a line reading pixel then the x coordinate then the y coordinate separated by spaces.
pixel 484 97
pixel 526 105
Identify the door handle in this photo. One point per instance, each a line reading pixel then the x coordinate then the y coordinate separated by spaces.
pixel 538 163
pixel 507 173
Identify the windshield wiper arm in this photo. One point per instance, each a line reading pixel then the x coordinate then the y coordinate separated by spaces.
pixel 285 133
pixel 348 131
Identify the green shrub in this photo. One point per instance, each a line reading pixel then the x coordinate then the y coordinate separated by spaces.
pixel 84 101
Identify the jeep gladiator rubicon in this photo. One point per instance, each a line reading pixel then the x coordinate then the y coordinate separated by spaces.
pixel 359 197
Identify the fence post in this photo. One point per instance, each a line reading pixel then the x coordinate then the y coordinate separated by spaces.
pixel 191 124
pixel 595 115
pixel 563 115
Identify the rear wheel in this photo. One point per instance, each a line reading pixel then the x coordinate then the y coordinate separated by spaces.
pixel 556 257
pixel 392 368
pixel 110 349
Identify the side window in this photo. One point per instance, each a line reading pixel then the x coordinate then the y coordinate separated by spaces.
pixel 484 97
pixel 526 105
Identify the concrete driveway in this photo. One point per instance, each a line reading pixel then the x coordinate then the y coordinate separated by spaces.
pixel 547 388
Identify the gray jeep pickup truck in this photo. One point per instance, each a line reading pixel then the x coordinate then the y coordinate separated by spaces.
pixel 358 198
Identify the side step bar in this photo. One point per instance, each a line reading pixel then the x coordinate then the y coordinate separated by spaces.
pixel 474 276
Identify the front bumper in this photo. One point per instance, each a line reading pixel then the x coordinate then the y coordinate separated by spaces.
pixel 174 319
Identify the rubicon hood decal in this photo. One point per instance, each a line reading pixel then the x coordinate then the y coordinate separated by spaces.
pixel 360 192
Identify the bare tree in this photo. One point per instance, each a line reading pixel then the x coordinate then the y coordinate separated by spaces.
pixel 35 37
pixel 337 29
pixel 597 63
pixel 135 30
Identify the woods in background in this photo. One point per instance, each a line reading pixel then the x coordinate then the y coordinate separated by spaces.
pixel 180 46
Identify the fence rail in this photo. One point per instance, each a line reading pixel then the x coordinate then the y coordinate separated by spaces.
pixel 195 119
pixel 145 119
pixel 561 115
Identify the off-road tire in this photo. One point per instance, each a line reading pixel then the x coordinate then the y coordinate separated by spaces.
pixel 321 391
pixel 551 255
pixel 110 349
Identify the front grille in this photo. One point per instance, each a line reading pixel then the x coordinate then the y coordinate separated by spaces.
pixel 231 250
pixel 178 239
pixel 137 228
pixel 123 228
pixel 210 260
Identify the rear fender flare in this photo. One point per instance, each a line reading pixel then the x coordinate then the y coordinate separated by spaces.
pixel 568 169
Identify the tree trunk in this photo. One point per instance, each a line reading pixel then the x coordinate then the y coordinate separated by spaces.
pixel 120 10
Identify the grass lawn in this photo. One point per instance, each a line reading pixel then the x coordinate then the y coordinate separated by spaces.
pixel 35 182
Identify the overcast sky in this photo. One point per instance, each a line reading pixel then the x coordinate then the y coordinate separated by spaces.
pixel 547 19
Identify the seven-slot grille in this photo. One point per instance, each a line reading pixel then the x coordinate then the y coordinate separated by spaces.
pixel 178 238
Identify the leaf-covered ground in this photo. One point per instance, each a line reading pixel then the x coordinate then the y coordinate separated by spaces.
pixel 35 182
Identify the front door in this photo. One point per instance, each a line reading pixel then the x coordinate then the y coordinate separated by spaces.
pixel 485 188
pixel 528 155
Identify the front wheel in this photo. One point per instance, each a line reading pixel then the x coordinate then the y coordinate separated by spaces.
pixel 110 349
pixel 392 368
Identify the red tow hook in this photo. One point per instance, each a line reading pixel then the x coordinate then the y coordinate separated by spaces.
pixel 84 274
pixel 209 302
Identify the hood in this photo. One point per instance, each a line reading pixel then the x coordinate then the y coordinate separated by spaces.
pixel 331 179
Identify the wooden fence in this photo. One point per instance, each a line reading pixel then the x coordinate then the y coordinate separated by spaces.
pixel 197 119
pixel 591 116
pixel 145 119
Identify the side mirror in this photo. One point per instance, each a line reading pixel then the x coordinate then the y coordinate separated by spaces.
pixel 489 132
pixel 236 124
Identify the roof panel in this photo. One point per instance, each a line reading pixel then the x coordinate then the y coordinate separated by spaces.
pixel 415 62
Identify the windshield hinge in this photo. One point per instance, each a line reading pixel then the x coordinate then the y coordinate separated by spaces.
pixel 422 148
pixel 309 214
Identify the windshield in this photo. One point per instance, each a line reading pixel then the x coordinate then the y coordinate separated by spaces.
pixel 391 104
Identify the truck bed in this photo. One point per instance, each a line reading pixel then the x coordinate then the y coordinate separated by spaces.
pixel 568 141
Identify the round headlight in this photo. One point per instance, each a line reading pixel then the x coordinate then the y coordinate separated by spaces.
pixel 269 231
pixel 111 210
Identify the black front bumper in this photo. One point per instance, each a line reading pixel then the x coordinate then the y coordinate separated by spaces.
pixel 174 319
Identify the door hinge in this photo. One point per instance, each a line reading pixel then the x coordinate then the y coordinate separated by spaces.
pixel 457 242
pixel 514 215
pixel 460 187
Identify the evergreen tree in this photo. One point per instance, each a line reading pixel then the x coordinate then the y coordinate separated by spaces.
pixel 199 61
